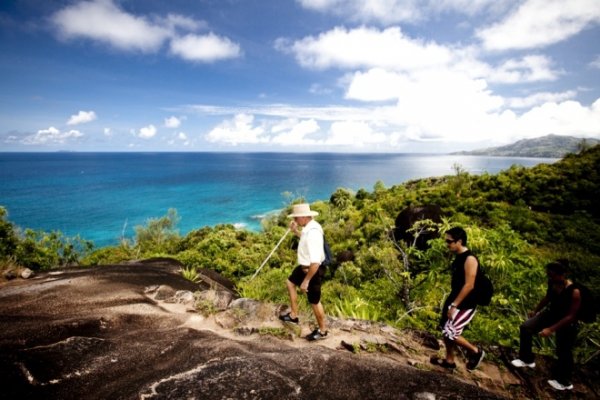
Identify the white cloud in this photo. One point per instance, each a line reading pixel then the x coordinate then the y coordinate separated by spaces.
pixel 239 130
pixel 204 48
pixel 596 62
pixel 541 98
pixel 180 139
pixel 107 132
pixel 292 132
pixel 365 47
pixel 324 113
pixel 51 136
pixel 540 23
pixel 385 11
pixel 172 122
pixel 532 68
pixel 394 11
pixel 370 48
pixel 426 111
pixel 175 21
pixel 376 84
pixel 147 132
pixel 11 139
pixel 565 118
pixel 103 21
pixel 443 103
pixel 353 134
pixel 319 89
pixel 82 117
pixel 441 92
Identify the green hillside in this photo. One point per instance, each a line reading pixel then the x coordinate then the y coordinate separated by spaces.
pixel 550 146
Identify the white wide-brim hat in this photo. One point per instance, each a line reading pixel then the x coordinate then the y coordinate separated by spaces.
pixel 302 210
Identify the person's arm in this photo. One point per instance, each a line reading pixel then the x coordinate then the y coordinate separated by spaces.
pixel 470 274
pixel 294 228
pixel 567 319
pixel 312 270
pixel 543 303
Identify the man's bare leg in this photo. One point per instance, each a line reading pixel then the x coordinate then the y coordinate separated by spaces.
pixel 319 315
pixel 458 341
pixel 293 299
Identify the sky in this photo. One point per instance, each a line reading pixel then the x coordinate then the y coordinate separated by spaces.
pixel 405 76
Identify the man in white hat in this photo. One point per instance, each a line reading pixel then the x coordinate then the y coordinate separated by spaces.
pixel 308 274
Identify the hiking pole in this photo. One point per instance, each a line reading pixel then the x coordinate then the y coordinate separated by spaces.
pixel 270 254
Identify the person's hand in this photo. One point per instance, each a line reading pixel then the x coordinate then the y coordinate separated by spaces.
pixel 304 286
pixel 450 313
pixel 294 226
pixel 546 332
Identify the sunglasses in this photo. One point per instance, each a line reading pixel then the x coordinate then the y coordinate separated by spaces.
pixel 451 241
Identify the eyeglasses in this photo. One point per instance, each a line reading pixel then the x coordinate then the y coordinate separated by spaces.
pixel 448 241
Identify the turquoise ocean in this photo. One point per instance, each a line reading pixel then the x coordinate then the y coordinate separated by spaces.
pixel 102 196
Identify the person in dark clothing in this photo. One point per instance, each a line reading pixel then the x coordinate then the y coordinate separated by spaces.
pixel 460 305
pixel 555 313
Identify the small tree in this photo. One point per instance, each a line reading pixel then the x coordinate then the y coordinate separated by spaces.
pixel 341 199
pixel 159 234
pixel 460 180
pixel 8 237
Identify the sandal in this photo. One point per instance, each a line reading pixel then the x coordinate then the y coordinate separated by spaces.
pixel 441 362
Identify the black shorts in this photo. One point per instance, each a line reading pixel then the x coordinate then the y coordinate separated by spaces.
pixel 314 286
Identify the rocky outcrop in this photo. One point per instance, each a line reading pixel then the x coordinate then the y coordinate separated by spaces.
pixel 406 220
pixel 141 331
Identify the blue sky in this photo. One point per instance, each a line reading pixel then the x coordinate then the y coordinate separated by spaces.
pixel 296 75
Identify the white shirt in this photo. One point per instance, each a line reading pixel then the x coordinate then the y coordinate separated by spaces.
pixel 310 248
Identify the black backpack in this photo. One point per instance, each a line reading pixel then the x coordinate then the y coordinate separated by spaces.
pixel 588 310
pixel 328 256
pixel 484 288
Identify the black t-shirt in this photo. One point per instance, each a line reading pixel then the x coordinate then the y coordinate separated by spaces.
pixel 560 302
pixel 458 281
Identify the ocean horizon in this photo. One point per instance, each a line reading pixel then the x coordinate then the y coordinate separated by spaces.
pixel 102 196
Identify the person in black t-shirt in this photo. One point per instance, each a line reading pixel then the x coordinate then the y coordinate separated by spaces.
pixel 555 313
pixel 460 305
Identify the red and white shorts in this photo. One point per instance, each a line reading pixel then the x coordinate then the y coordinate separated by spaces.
pixel 460 319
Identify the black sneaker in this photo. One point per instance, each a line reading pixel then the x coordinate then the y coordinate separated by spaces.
pixel 475 359
pixel 287 318
pixel 316 335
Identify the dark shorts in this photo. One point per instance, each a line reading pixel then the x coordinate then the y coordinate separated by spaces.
pixel 314 286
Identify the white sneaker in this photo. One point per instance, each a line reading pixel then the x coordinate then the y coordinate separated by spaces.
pixel 520 364
pixel 559 386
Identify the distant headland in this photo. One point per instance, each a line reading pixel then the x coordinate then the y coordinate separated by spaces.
pixel 549 146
